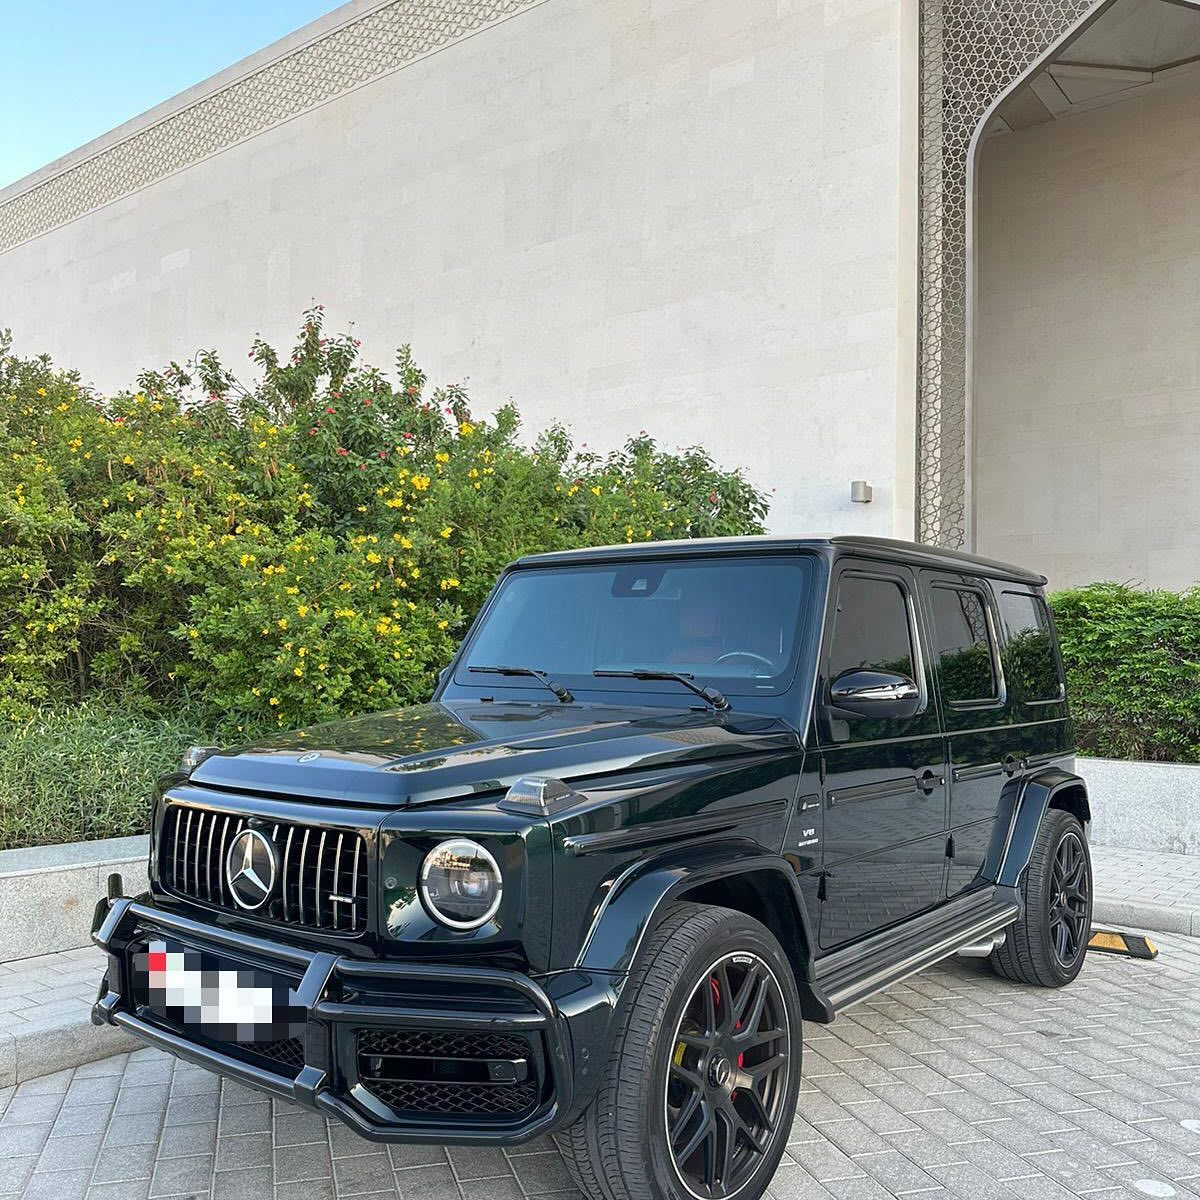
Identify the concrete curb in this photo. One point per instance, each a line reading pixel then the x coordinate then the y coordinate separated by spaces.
pixel 44 1049
pixel 1154 918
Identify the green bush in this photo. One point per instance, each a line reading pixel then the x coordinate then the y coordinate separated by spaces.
pixel 305 547
pixel 1133 670
pixel 86 772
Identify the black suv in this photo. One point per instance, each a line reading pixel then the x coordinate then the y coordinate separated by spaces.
pixel 667 801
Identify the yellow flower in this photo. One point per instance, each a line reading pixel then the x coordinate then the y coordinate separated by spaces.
pixel 128 460
pixel 595 491
pixel 466 429
pixel 441 456
pixel 282 622
pixel 193 633
pixel 273 700
pixel 447 531
pixel 298 672
pixel 448 583
pixel 256 691
pixel 443 624
pixel 373 558
pixel 420 482
pixel 41 391
pixel 302 610
pixel 302 651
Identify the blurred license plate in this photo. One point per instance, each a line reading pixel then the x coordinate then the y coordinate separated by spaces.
pixel 210 995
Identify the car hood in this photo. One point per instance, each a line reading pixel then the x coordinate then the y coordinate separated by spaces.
pixel 462 748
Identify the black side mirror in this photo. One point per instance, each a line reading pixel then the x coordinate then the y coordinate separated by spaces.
pixel 884 695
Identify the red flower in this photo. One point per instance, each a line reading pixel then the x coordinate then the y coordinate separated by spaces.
pixel 313 431
pixel 412 389
pixel 383 454
pixel 712 497
pixel 330 410
pixel 407 435
pixel 362 466
pixel 343 451
pixel 367 402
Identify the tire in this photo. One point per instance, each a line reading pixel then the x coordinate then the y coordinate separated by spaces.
pixel 702 967
pixel 1035 951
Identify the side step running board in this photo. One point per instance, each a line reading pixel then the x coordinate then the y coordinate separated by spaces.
pixel 851 975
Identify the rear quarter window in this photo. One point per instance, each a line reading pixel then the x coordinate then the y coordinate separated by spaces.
pixel 1031 664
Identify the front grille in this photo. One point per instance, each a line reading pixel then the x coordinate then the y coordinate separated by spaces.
pixel 321 875
pixel 431 1073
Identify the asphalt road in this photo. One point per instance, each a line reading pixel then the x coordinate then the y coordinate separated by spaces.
pixel 953 1083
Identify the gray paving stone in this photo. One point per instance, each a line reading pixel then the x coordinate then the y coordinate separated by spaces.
pixel 180 1176
pixel 254 1183
pixel 953 1084
pixel 427 1183
pixel 243 1150
pixel 62 1185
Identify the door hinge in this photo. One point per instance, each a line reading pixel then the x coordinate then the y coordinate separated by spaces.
pixel 822 889
pixel 950 846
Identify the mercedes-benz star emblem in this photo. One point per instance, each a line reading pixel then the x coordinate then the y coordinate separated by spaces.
pixel 312 756
pixel 250 869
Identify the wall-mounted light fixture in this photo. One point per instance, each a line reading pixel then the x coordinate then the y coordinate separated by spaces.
pixel 861 492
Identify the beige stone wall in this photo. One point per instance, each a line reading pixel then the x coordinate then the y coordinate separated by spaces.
pixel 685 216
pixel 1087 389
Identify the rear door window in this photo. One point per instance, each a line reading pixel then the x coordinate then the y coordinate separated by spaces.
pixel 1031 663
pixel 966 654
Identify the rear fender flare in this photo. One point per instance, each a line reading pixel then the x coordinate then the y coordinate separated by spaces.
pixel 1027 804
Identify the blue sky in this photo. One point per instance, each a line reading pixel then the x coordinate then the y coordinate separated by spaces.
pixel 72 69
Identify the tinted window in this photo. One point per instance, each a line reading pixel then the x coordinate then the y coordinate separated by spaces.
pixel 731 622
pixel 963 647
pixel 1030 663
pixel 871 627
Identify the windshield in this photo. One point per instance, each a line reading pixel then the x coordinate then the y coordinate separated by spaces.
pixel 731 622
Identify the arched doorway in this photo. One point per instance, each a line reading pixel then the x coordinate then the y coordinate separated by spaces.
pixel 1084 305
pixel 971 53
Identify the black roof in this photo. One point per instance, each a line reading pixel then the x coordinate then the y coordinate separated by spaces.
pixel 914 552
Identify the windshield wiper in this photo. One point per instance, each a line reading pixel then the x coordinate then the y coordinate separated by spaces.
pixel 561 692
pixel 708 694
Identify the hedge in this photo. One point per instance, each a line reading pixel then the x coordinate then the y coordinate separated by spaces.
pixel 1133 670
pixel 305 546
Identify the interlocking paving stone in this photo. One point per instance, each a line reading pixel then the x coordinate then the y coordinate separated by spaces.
pixel 952 1084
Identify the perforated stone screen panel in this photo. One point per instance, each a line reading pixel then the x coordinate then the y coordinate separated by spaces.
pixel 971 51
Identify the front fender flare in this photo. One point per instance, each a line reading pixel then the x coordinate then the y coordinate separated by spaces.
pixel 639 896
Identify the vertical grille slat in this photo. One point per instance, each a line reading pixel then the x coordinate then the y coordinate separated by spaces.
pixel 287 854
pixel 335 895
pixel 300 874
pixel 325 890
pixel 320 859
pixel 187 842
pixel 354 887
pixel 223 890
pixel 208 875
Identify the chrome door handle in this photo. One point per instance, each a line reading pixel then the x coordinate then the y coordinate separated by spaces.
pixel 928 781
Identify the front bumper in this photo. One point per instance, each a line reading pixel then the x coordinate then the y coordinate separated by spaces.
pixel 343 998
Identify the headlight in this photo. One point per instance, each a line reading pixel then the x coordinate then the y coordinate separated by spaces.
pixel 461 884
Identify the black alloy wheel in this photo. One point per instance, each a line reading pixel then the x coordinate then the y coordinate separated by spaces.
pixel 1070 896
pixel 699 1090
pixel 727 1081
pixel 1048 945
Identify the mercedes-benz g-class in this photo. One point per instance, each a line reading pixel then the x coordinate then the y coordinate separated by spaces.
pixel 666 801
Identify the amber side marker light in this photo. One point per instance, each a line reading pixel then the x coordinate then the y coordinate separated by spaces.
pixel 1132 945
